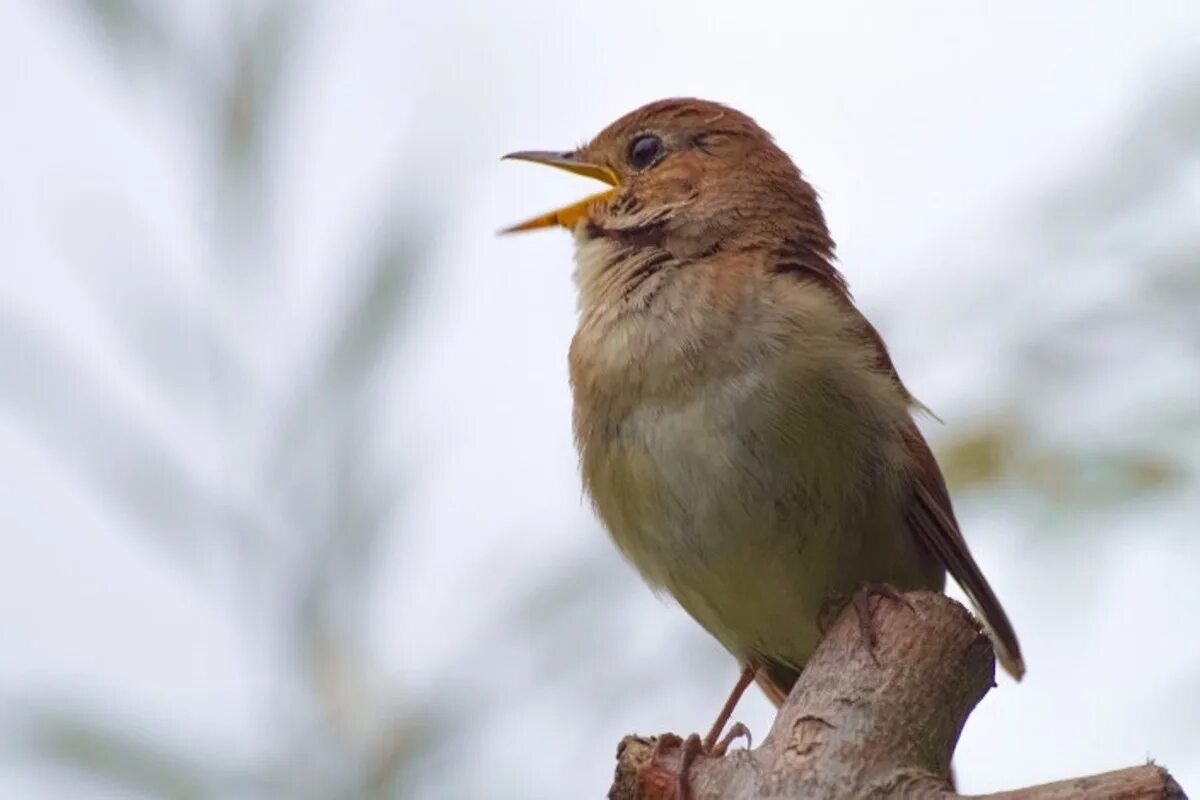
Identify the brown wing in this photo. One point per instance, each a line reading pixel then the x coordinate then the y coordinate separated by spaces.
pixel 931 519
pixel 930 516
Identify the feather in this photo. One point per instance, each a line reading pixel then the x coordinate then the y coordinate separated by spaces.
pixel 775 678
pixel 931 519
pixel 930 516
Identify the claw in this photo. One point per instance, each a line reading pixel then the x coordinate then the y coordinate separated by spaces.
pixel 692 747
pixel 861 600
pixel 656 779
pixel 736 731
pixel 663 783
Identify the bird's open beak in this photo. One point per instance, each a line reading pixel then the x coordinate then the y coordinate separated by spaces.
pixel 566 216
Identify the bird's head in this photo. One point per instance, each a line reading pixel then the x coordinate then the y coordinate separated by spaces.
pixel 688 177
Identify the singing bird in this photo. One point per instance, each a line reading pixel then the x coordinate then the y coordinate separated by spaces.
pixel 743 434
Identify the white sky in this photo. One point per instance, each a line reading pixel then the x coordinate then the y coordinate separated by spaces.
pixel 924 125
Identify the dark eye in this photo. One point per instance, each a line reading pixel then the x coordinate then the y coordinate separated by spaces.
pixel 644 150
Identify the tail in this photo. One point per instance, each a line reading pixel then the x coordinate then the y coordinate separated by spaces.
pixel 931 519
pixel 775 679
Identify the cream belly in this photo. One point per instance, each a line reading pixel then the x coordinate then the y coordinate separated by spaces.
pixel 745 456
pixel 747 507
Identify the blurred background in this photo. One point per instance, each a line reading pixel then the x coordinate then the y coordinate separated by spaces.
pixel 290 505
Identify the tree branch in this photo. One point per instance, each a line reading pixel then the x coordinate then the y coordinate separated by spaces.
pixel 859 724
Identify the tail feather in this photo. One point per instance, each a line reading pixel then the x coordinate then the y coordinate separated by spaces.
pixel 775 679
pixel 931 519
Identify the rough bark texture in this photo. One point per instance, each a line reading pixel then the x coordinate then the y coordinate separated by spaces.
pixel 859 724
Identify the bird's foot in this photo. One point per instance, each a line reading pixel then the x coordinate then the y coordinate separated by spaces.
pixel 663 781
pixel 861 600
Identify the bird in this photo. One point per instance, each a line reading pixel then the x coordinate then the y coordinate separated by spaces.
pixel 743 433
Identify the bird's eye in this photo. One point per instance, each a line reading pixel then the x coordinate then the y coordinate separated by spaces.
pixel 645 150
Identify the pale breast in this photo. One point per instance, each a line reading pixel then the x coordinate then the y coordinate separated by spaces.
pixel 745 462
pixel 745 507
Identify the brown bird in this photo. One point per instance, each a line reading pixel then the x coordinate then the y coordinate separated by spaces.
pixel 742 432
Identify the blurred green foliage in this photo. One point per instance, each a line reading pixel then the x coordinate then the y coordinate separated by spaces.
pixel 1003 453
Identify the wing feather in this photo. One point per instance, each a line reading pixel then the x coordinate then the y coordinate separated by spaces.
pixel 930 515
pixel 931 519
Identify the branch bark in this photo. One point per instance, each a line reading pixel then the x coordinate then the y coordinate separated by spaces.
pixel 859 724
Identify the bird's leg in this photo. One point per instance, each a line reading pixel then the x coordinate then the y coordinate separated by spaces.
pixel 743 682
pixel 651 773
pixel 861 600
